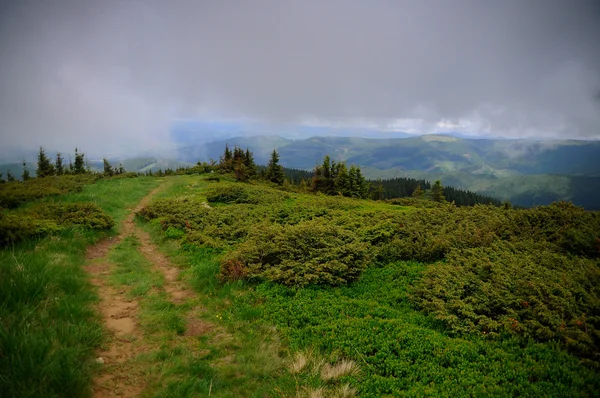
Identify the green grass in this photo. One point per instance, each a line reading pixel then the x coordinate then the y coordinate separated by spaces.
pixel 404 352
pixel 49 330
pixel 374 322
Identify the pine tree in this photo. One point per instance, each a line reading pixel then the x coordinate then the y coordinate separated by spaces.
pixel 44 167
pixel 418 192
pixel 249 163
pixel 25 176
pixel 9 176
pixel 79 166
pixel 108 170
pixel 121 169
pixel 437 192
pixel 60 169
pixel 2 181
pixel 341 179
pixel 378 191
pixel 274 169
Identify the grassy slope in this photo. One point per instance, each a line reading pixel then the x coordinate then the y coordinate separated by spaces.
pixel 400 351
pixel 49 330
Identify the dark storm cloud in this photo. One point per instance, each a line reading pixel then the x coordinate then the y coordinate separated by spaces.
pixel 101 73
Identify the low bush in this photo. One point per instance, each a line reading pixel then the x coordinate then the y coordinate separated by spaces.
pixel 46 219
pixel 14 194
pixel 309 253
pixel 503 288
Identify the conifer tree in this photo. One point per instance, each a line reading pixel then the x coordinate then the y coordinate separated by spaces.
pixel 9 176
pixel 25 176
pixel 437 192
pixel 121 169
pixel 79 166
pixel 108 170
pixel 2 181
pixel 418 192
pixel 44 167
pixel 274 171
pixel 249 163
pixel 60 169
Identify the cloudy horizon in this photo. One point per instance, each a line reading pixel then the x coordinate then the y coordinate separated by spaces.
pixel 106 74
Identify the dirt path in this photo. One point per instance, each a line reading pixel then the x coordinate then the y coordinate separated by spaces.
pixel 120 313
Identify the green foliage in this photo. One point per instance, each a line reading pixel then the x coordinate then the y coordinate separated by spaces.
pixel 274 172
pixel 239 162
pixel 437 192
pixel 59 166
pixel 46 219
pixel 17 193
pixel 402 352
pixel 308 253
pixel 79 165
pixel 108 170
pixel 505 288
pixel 45 168
pixel 333 178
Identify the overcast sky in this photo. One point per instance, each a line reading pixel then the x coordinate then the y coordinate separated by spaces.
pixel 100 73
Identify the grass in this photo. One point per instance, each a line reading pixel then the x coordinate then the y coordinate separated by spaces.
pixel 49 329
pixel 372 323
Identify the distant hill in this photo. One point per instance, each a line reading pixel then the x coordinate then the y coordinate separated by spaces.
pixel 526 172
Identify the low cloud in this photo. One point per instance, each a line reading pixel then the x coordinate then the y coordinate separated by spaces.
pixel 114 75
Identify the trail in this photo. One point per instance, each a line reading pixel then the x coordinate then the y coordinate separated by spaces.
pixel 120 313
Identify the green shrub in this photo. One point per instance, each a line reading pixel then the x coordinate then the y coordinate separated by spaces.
pixel 309 253
pixel 46 219
pixel 16 193
pixel 532 293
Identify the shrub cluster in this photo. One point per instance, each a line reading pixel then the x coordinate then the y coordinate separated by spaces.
pixel 47 219
pixel 308 253
pixel 529 272
pixel 14 194
pixel 504 288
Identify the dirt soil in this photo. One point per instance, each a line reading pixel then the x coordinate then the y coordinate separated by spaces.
pixel 118 375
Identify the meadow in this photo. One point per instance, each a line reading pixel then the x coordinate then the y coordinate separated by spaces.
pixel 301 294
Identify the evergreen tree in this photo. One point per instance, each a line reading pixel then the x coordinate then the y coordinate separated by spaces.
pixel 437 192
pixel 79 166
pixel 108 170
pixel 249 163
pixel 121 169
pixel 44 167
pixel 274 171
pixel 60 169
pixel 71 168
pixel 418 192
pixel 341 179
pixel 2 181
pixel 378 191
pixel 358 185
pixel 26 176
pixel 9 176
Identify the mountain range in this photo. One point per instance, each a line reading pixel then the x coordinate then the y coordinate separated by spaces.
pixel 524 172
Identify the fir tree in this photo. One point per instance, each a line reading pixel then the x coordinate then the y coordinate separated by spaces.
pixel 274 171
pixel 44 167
pixel 25 176
pixel 79 166
pixel 108 170
pixel 437 192
pixel 418 192
pixel 60 169
pixel 9 176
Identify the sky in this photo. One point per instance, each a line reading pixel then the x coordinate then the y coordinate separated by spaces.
pixel 119 74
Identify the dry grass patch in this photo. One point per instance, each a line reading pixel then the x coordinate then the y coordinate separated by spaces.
pixel 334 372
